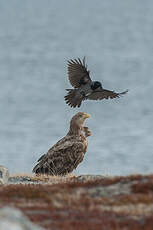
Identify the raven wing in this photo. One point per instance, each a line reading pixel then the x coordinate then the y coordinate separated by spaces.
pixel 77 72
pixel 104 94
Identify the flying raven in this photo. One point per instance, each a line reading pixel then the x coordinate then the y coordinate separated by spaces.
pixel 84 87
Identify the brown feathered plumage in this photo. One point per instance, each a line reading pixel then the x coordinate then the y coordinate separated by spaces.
pixel 67 153
pixel 84 87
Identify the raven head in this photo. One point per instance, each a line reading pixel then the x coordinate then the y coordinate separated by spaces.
pixel 96 85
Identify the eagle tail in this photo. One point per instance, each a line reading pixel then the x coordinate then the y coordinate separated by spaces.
pixel 36 169
pixel 43 167
pixel 73 98
pixel 40 169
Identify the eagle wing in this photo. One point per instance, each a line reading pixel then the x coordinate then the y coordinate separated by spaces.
pixel 61 158
pixel 104 94
pixel 77 72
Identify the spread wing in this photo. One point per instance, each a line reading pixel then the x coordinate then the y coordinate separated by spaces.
pixel 77 72
pixel 61 159
pixel 104 94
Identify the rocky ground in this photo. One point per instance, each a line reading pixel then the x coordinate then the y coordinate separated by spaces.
pixel 83 202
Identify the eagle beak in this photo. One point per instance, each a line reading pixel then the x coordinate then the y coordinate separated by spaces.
pixel 86 115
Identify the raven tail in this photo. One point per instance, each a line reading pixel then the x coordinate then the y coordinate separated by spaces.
pixel 73 98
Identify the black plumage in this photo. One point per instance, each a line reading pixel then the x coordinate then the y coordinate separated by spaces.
pixel 84 87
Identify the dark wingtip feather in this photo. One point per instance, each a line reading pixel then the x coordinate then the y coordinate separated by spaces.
pixel 77 61
pixel 124 92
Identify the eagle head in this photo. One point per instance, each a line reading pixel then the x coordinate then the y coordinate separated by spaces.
pixel 77 122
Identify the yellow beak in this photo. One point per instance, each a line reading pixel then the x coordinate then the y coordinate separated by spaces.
pixel 86 115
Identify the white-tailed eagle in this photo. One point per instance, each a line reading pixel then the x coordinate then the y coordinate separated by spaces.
pixel 68 152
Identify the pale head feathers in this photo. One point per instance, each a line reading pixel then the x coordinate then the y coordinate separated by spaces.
pixel 77 122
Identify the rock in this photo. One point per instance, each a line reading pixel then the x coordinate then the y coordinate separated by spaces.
pixel 12 218
pixel 85 178
pixel 4 175
pixel 22 180
pixel 109 191
pixel 41 179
